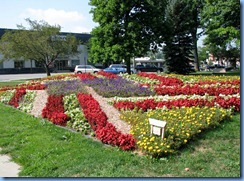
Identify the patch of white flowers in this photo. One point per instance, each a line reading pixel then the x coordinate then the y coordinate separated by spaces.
pixel 77 119
pixel 6 96
pixel 160 98
pixel 27 103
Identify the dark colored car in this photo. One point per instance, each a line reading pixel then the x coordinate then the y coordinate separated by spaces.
pixel 148 68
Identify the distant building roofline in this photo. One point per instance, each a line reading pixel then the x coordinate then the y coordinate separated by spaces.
pixel 80 36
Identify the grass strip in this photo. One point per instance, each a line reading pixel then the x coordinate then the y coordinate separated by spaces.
pixel 46 150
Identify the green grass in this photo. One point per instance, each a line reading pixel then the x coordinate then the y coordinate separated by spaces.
pixel 46 150
pixel 12 83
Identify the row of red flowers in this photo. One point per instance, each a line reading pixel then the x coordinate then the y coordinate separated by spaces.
pixel 105 131
pixel 166 81
pixel 30 86
pixel 171 81
pixel 108 75
pixel 54 110
pixel 209 82
pixel 18 95
pixel 153 104
pixel 85 76
pixel 197 90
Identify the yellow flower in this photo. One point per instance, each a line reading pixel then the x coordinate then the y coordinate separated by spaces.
pixel 185 141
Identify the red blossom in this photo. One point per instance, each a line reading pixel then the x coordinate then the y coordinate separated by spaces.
pixel 20 92
pixel 105 131
pixel 54 110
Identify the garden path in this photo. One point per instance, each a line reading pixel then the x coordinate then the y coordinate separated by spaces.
pixel 111 112
pixel 39 103
pixel 7 167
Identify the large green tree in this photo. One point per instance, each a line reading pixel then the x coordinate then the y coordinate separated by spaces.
pixel 41 42
pixel 127 28
pixel 194 23
pixel 221 22
pixel 178 43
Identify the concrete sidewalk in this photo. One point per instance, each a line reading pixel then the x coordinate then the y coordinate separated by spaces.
pixel 7 167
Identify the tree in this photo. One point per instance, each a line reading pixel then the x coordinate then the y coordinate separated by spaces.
pixel 221 22
pixel 42 43
pixel 195 8
pixel 178 44
pixel 127 28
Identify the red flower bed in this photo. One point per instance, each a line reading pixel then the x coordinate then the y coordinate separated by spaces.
pixel 54 110
pixel 31 86
pixel 209 82
pixel 36 86
pixel 196 89
pixel 227 103
pixel 152 104
pixel 105 131
pixel 108 75
pixel 85 76
pixel 20 92
pixel 166 81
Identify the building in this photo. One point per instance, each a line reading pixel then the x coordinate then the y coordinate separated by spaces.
pixel 62 64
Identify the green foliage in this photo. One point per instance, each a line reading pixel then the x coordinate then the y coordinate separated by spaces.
pixel 42 43
pixel 221 21
pixel 179 42
pixel 77 119
pixel 124 30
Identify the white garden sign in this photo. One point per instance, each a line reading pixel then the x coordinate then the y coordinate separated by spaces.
pixel 157 127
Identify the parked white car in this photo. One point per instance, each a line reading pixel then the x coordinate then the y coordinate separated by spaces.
pixel 86 69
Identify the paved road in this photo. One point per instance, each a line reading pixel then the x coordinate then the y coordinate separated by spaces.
pixel 8 77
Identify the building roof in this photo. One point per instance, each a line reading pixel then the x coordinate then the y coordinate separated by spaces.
pixel 84 37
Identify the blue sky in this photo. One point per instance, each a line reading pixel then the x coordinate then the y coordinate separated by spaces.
pixel 71 15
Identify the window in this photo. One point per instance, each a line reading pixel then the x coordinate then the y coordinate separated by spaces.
pixel 18 64
pixel 74 63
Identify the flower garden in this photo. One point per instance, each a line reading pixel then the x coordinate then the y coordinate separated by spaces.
pixel 189 105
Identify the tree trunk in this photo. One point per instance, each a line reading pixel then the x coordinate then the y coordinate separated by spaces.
pixel 127 61
pixel 196 60
pixel 47 70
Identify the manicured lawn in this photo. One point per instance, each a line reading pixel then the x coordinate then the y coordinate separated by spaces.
pixel 46 150
pixel 11 83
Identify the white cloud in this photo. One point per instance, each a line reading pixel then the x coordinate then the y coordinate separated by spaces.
pixel 70 21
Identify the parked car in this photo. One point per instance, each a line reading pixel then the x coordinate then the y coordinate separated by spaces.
pixel 121 68
pixel 86 69
pixel 148 68
pixel 112 70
